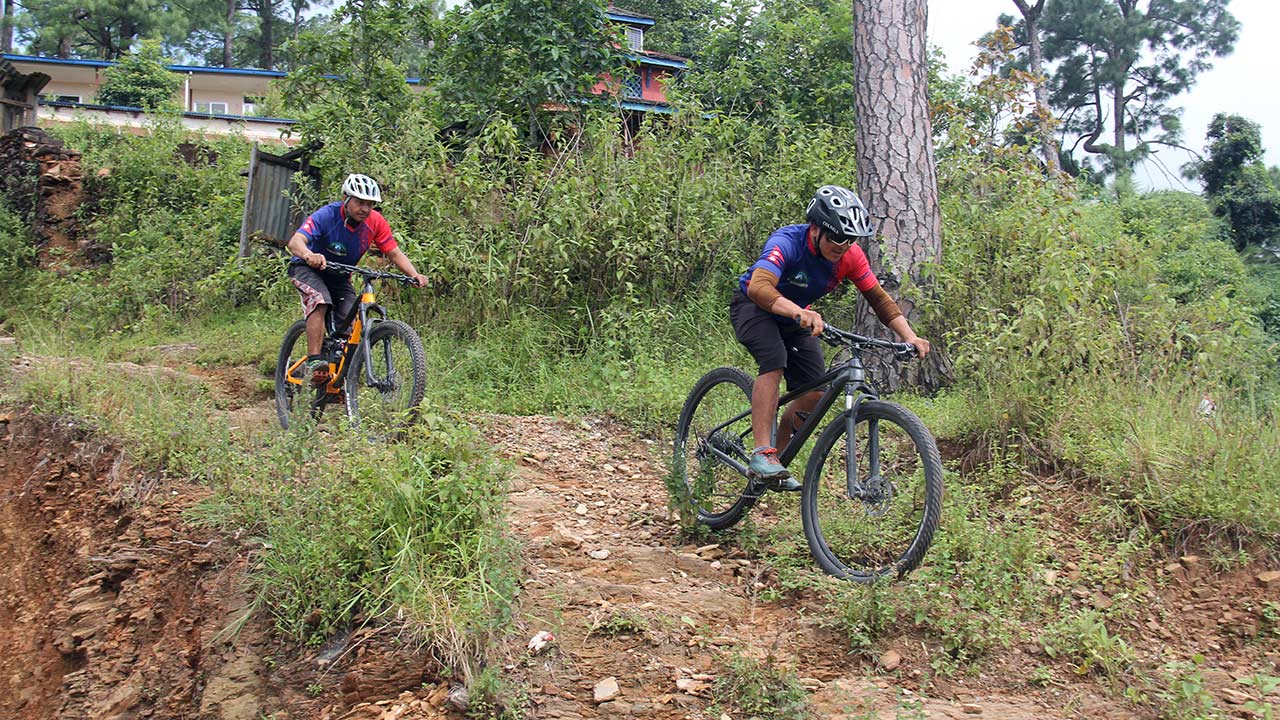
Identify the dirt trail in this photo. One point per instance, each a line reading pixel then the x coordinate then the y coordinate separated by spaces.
pixel 627 599
pixel 113 606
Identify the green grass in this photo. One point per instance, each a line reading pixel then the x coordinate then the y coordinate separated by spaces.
pixel 762 689
pixel 1148 444
pixel 342 530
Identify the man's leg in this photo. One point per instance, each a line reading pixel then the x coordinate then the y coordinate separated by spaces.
pixel 805 364
pixel 315 330
pixel 758 331
pixel 764 407
pixel 790 422
pixel 315 302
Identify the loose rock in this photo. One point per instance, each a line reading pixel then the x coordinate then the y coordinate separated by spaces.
pixel 891 660
pixel 606 690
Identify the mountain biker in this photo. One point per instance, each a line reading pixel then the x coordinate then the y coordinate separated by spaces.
pixel 341 231
pixel 771 315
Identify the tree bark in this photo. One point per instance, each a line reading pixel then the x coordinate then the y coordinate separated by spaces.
pixel 1035 63
pixel 896 173
pixel 229 35
pixel 267 16
pixel 1124 166
pixel 6 32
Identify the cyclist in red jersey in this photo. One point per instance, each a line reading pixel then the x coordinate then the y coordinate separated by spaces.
pixel 772 318
pixel 342 232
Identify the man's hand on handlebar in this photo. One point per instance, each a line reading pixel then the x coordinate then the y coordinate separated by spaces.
pixel 420 280
pixel 315 260
pixel 921 345
pixel 810 320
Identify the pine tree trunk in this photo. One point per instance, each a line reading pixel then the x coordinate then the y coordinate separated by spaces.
pixel 229 35
pixel 6 32
pixel 1124 167
pixel 266 15
pixel 896 176
pixel 1035 62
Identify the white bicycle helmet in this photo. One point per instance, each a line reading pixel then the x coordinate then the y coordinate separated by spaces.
pixel 840 212
pixel 361 186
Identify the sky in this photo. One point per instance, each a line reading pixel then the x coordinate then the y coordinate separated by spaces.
pixel 1239 83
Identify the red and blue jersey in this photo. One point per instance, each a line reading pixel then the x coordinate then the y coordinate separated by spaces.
pixel 804 275
pixel 328 233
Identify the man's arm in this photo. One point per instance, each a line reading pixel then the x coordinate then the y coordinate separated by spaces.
pixel 900 326
pixel 402 261
pixel 890 315
pixel 298 248
pixel 762 289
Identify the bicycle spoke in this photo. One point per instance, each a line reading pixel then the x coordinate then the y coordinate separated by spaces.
pixel 383 394
pixel 881 520
pixel 707 449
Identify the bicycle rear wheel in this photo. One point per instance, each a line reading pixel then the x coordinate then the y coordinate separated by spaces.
pixel 716 489
pixel 384 396
pixel 896 504
pixel 295 398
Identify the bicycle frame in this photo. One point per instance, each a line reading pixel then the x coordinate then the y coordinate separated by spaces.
pixel 357 341
pixel 848 379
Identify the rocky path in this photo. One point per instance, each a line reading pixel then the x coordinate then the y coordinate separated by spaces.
pixel 642 621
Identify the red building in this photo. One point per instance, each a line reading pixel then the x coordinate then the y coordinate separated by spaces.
pixel 642 90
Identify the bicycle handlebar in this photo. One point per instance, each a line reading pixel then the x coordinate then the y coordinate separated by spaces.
pixel 842 338
pixel 372 274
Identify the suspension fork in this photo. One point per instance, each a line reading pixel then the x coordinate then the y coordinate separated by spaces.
pixel 367 350
pixel 852 401
pixel 854 395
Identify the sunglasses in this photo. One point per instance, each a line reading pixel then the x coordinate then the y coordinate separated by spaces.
pixel 839 243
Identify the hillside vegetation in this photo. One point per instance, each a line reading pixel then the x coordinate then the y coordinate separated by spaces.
pixel 1084 332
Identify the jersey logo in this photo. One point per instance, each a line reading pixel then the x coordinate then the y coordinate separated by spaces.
pixel 337 248
pixel 800 279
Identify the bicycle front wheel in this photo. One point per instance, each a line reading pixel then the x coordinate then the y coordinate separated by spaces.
pixel 878 517
pixel 713 486
pixel 384 395
pixel 294 394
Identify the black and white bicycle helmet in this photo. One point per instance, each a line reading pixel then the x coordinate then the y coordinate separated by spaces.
pixel 838 211
pixel 361 186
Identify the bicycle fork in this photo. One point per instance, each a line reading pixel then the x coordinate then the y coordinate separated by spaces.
pixel 870 492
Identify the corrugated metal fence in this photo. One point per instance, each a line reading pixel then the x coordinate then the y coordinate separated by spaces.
pixel 269 214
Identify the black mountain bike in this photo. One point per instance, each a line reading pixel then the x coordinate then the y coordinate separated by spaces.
pixel 872 495
pixel 378 370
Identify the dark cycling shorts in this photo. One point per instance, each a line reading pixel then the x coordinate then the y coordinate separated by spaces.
pixel 323 288
pixel 776 342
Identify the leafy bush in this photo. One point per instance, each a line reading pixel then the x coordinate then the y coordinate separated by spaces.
pixel 17 257
pixel 140 80
pixel 173 230
pixel 760 689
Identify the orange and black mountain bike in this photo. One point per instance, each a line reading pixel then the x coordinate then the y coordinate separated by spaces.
pixel 378 370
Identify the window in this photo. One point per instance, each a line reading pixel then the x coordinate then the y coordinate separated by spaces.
pixel 213 108
pixel 251 103
pixel 635 38
pixel 631 85
pixel 61 98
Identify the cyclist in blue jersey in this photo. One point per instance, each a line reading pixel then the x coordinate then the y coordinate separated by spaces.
pixel 341 231
pixel 772 318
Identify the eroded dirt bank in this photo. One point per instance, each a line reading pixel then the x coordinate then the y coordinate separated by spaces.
pixel 113 606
